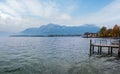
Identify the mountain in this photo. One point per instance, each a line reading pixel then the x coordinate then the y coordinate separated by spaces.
pixel 54 29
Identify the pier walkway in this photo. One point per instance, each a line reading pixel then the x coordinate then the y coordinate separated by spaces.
pixel 108 47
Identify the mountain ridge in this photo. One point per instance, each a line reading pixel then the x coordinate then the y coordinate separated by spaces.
pixel 55 29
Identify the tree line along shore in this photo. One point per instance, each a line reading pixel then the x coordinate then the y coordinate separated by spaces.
pixel 111 32
pixel 105 32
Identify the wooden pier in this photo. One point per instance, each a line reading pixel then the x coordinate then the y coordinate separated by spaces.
pixel 109 47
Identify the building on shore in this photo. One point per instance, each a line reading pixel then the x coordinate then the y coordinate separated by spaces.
pixel 89 35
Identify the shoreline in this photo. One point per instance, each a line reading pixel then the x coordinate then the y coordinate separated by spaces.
pixel 45 36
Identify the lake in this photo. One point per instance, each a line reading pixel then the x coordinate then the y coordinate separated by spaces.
pixel 52 55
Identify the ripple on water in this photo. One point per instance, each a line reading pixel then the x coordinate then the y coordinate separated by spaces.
pixel 18 60
pixel 5 63
pixel 85 67
pixel 12 70
pixel 52 55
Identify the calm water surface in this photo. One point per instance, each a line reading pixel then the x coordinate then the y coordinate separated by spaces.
pixel 52 55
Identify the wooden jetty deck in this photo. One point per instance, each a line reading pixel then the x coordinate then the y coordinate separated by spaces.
pixel 108 47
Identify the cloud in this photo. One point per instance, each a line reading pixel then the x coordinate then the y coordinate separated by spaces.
pixel 5 16
pixel 43 9
pixel 109 15
pixel 16 15
pixel 16 5
pixel 64 17
pixel 20 14
pixel 7 10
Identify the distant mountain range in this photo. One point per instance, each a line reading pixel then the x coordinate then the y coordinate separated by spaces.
pixel 55 29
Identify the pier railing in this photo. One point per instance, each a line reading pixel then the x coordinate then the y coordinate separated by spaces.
pixel 104 43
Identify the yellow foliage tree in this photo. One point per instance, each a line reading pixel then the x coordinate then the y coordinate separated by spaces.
pixel 109 31
pixel 103 31
pixel 115 31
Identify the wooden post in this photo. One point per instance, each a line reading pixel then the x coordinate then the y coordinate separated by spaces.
pixel 106 42
pixel 108 50
pixel 119 49
pixel 100 42
pixel 90 47
pixel 93 49
pixel 111 51
pixel 98 50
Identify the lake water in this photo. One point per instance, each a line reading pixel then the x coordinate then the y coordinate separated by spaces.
pixel 52 55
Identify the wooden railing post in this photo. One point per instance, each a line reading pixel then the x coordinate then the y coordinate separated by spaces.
pixel 119 49
pixel 100 42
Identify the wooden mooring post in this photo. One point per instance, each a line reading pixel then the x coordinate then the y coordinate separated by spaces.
pixel 119 49
pixel 90 47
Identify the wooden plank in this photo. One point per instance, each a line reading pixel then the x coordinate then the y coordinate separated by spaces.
pixel 114 46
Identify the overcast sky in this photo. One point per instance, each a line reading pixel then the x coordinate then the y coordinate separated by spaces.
pixel 16 15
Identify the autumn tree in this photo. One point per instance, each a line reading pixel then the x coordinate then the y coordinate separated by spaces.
pixel 119 31
pixel 108 32
pixel 103 31
pixel 115 31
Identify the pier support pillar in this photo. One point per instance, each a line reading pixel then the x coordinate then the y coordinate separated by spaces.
pixel 109 48
pixel 90 47
pixel 98 50
pixel 111 51
pixel 119 49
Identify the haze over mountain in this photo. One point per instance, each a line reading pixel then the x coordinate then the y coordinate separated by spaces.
pixel 3 33
pixel 55 29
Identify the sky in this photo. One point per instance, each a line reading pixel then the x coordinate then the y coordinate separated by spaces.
pixel 17 15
